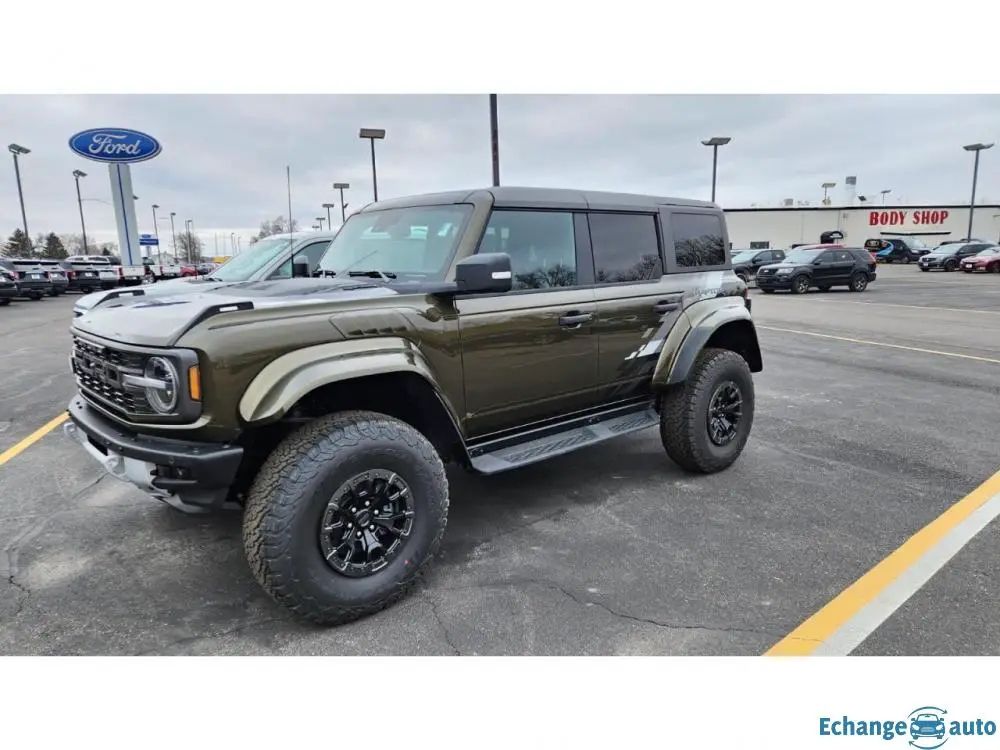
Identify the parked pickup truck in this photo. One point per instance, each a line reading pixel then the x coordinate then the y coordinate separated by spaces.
pixel 123 275
pixel 161 271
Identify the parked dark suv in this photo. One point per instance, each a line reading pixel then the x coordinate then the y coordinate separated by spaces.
pixel 746 262
pixel 822 268
pixel 32 281
pixel 896 249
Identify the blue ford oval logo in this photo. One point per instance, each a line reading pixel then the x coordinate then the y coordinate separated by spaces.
pixel 114 145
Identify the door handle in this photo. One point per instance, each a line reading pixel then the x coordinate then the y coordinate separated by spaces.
pixel 663 307
pixel 575 319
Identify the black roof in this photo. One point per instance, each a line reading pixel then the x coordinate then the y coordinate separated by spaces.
pixel 531 197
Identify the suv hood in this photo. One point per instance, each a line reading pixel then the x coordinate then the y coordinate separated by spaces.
pixel 938 255
pixel 160 320
pixel 169 286
pixel 785 264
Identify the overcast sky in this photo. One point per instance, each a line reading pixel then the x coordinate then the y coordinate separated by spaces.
pixel 223 160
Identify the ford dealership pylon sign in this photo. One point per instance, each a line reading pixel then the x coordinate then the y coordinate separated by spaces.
pixel 115 145
pixel 118 148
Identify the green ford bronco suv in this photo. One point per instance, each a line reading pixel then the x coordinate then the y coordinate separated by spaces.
pixel 490 328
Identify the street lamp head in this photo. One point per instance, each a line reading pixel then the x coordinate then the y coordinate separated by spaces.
pixel 329 205
pixel 340 186
pixel 15 149
pixel 173 213
pixel 978 146
pixel 887 190
pixel 827 185
pixel 77 173
pixel 372 133
pixel 717 141
pixel 155 206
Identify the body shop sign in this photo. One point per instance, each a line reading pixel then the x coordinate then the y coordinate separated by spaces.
pixel 922 217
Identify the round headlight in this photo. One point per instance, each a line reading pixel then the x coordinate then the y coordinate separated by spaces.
pixel 163 396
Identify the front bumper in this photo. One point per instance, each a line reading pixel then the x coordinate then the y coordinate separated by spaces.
pixel 188 475
pixel 773 281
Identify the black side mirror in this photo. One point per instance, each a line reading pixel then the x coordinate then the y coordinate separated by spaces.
pixel 818 262
pixel 487 273
pixel 300 267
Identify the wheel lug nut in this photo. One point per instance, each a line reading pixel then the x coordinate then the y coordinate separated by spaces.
pixel 350 525
pixel 376 513
pixel 367 503
pixel 354 510
pixel 359 535
pixel 372 527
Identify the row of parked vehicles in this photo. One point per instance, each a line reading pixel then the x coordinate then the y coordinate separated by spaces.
pixel 826 265
pixel 35 278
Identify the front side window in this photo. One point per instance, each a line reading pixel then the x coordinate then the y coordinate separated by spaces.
pixel 414 242
pixel 312 252
pixel 698 240
pixel 541 246
pixel 626 248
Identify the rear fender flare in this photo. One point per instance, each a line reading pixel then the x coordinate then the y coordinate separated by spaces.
pixel 706 319
pixel 283 382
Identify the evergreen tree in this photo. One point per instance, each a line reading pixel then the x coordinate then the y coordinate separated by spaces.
pixel 54 247
pixel 18 245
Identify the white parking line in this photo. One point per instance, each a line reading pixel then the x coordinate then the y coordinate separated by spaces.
pixel 881 343
pixel 920 307
pixel 867 620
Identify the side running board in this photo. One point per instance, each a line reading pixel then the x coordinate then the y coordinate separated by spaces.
pixel 529 448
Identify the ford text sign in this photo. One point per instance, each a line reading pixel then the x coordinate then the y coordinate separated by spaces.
pixel 114 145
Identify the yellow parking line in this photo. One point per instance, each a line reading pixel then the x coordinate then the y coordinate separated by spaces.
pixel 811 634
pixel 33 438
pixel 881 343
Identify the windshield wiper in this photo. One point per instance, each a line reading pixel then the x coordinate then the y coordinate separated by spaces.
pixel 385 275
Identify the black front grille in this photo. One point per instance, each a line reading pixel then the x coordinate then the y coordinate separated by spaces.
pixel 99 371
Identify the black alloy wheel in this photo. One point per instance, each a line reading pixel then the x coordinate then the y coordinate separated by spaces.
pixel 724 413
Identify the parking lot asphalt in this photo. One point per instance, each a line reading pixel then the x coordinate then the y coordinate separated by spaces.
pixel 857 444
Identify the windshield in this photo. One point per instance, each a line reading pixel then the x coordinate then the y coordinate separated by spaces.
pixel 802 256
pixel 916 244
pixel 988 251
pixel 243 266
pixel 743 256
pixel 416 242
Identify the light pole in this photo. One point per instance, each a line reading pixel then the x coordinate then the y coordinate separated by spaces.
pixel 232 243
pixel 77 174
pixel 16 151
pixel 320 219
pixel 188 226
pixel 156 233
pixel 329 221
pixel 373 134
pixel 342 186
pixel 826 190
pixel 715 143
pixel 884 193
pixel 495 140
pixel 976 147
pixel 173 235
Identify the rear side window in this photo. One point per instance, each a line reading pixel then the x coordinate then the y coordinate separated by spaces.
pixel 698 240
pixel 843 255
pixel 626 247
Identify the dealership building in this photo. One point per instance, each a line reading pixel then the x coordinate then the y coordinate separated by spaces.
pixel 781 227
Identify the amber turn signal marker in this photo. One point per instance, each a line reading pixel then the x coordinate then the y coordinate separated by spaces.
pixel 194 383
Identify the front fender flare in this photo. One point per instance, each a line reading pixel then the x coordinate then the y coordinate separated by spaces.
pixel 281 384
pixel 707 319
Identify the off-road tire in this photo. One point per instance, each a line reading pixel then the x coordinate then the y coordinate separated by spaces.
pixel 800 284
pixel 684 413
pixel 859 282
pixel 289 496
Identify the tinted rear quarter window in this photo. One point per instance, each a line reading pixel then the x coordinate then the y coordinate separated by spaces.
pixel 698 240
pixel 626 247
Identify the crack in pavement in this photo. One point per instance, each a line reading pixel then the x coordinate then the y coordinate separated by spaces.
pixel 23 593
pixel 444 629
pixel 613 612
